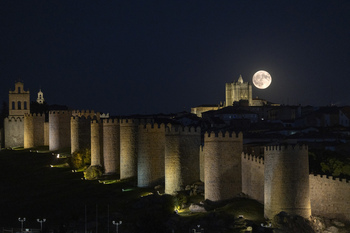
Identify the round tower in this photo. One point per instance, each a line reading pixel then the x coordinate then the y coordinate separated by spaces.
pixel 128 148
pixel 96 143
pixel 287 180
pixel 28 130
pixel 80 133
pixel 222 165
pixel 34 130
pixel 59 129
pixel 150 159
pixel 181 157
pixel 111 146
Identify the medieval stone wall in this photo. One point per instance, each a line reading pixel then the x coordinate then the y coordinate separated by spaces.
pixel 128 148
pixel 330 197
pixel 253 177
pixel 34 132
pixel 111 146
pixel 59 130
pixel 201 163
pixel 222 165
pixel 96 143
pixel 151 149
pixel 287 181
pixel 181 157
pixel 14 131
pixel 80 133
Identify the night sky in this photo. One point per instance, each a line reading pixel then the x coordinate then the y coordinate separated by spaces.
pixel 129 57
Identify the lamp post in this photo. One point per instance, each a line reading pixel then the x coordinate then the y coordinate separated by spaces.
pixel 116 225
pixel 22 220
pixel 41 223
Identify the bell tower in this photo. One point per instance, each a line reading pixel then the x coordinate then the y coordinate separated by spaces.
pixel 40 98
pixel 19 100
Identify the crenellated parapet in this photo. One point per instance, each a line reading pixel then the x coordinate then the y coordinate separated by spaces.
pixel 223 136
pixel 253 158
pixel 111 121
pixel 182 130
pixel 287 147
pixel 14 119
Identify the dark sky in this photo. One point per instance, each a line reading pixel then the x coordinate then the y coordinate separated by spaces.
pixel 127 57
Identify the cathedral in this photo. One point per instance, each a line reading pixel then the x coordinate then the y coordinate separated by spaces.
pixel 237 91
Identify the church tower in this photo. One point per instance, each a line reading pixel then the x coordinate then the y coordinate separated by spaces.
pixel 237 91
pixel 19 100
pixel 40 98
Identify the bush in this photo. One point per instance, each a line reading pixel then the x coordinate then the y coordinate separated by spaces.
pixel 80 159
pixel 93 172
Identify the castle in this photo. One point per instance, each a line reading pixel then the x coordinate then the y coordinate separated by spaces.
pixel 153 151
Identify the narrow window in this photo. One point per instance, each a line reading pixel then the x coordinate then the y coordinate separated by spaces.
pixel 19 89
pixel 13 105
pixel 25 105
pixel 19 105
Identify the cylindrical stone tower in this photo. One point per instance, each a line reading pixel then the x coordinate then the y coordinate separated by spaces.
pixel 222 165
pixel 287 180
pixel 59 129
pixel 28 130
pixel 96 143
pixel 128 148
pixel 151 149
pixel 111 146
pixel 181 157
pixel 80 133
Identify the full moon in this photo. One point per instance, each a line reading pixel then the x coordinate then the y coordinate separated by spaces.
pixel 262 79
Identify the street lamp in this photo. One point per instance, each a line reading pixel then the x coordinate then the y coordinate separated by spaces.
pixel 22 220
pixel 41 223
pixel 116 225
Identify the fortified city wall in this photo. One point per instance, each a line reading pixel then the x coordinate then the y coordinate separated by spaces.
pixel 128 147
pixel 181 157
pixel 150 159
pixel 287 180
pixel 253 177
pixel 330 197
pixel 222 165
pixel 111 145
pixel 14 131
pixel 34 130
pixel 96 143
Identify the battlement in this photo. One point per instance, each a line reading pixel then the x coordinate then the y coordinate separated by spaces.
pixel 28 115
pixel 287 147
pixel 179 129
pixel 95 121
pixel 85 113
pixel 129 121
pixel 152 126
pixel 104 115
pixel 60 112
pixel 330 178
pixel 110 121
pixel 14 119
pixel 253 158
pixel 220 136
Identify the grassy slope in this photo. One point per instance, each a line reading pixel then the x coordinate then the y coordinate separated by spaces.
pixel 30 188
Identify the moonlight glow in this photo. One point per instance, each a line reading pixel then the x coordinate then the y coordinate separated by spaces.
pixel 262 79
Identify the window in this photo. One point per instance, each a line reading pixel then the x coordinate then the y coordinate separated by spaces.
pixel 19 105
pixel 25 105
pixel 19 89
pixel 13 105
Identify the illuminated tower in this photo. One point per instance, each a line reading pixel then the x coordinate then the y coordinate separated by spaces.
pixel 222 165
pixel 96 143
pixel 59 129
pixel 111 146
pixel 40 98
pixel 150 159
pixel 19 105
pixel 181 157
pixel 287 181
pixel 128 148
pixel 237 91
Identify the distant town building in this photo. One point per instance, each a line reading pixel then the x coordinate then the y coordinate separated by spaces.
pixel 237 91
pixel 40 98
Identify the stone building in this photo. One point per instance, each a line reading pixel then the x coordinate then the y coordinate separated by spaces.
pixel 237 91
